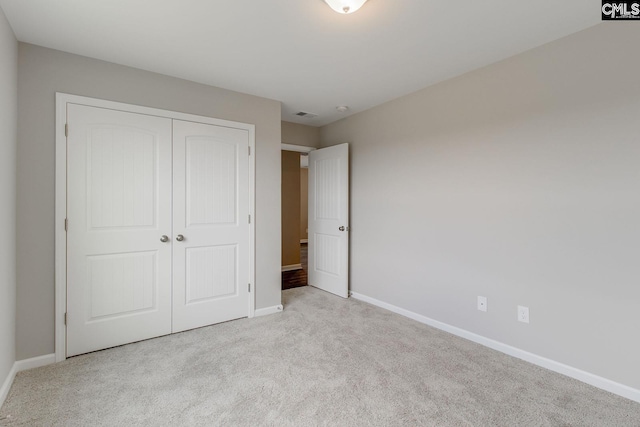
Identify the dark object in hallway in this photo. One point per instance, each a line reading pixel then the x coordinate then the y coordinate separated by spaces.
pixel 297 278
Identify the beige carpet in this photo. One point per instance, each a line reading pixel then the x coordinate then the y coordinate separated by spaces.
pixel 323 361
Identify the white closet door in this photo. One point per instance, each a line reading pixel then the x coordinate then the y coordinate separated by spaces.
pixel 118 208
pixel 329 219
pixel 211 258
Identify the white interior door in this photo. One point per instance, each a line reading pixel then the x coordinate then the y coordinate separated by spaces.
pixel 118 207
pixel 329 219
pixel 211 258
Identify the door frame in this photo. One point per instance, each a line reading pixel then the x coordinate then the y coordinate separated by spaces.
pixel 303 150
pixel 62 99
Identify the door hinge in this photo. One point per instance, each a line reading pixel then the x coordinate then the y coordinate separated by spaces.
pixel 65 318
pixel 249 219
pixel 249 287
pixel 249 150
pixel 66 224
pixel 66 129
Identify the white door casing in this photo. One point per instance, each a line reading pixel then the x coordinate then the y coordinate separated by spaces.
pixel 211 219
pixel 119 205
pixel 329 219
pixel 129 147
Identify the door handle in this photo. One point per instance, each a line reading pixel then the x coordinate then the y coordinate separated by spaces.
pixel 341 228
pixel 164 239
pixel 179 237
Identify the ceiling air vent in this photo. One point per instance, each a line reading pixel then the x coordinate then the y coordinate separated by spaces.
pixel 305 115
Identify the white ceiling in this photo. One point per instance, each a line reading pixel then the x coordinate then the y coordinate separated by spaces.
pixel 301 52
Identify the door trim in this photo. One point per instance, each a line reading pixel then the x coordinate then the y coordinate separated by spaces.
pixel 62 99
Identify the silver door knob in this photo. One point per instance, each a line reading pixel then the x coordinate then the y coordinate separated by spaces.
pixel 179 237
pixel 164 239
pixel 341 228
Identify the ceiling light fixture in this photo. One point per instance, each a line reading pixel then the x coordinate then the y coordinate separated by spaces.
pixel 342 109
pixel 345 6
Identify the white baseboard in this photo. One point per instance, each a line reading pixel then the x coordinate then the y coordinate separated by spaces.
pixel 552 365
pixel 269 310
pixel 6 385
pixel 35 362
pixel 292 267
pixel 23 365
pixel 304 240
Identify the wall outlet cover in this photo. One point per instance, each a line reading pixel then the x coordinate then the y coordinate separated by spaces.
pixel 482 303
pixel 523 314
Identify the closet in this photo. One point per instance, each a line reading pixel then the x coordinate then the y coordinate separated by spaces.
pixel 158 227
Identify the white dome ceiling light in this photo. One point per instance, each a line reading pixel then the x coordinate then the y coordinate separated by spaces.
pixel 345 6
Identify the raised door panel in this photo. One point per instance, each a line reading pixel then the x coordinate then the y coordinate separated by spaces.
pixel 121 284
pixel 122 178
pixel 327 192
pixel 211 273
pixel 211 181
pixel 327 254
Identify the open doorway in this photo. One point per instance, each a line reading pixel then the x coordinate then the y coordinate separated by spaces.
pixel 327 229
pixel 294 216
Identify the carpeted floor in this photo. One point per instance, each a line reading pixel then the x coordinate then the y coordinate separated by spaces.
pixel 323 361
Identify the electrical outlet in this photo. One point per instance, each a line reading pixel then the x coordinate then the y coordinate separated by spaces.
pixel 523 314
pixel 482 303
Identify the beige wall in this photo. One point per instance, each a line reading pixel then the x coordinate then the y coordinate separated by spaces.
pixel 42 72
pixel 8 146
pixel 518 182
pixel 297 134
pixel 304 203
pixel 290 208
